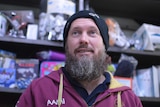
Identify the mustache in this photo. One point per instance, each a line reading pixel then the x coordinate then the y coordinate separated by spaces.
pixel 84 47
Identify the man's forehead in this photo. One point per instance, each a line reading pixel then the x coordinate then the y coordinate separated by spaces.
pixel 83 21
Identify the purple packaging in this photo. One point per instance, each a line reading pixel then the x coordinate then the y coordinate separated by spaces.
pixel 49 66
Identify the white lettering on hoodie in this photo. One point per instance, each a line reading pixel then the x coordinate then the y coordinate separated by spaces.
pixel 54 102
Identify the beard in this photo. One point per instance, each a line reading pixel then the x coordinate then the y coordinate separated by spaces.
pixel 86 68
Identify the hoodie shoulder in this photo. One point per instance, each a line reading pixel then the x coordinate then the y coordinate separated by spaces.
pixel 53 76
pixel 117 86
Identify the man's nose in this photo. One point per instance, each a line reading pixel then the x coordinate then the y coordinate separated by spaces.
pixel 84 38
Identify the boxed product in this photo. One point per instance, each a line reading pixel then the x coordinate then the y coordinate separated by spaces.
pixel 7 77
pixel 26 71
pixel 147 37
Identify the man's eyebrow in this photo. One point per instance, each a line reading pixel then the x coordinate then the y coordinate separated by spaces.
pixel 93 27
pixel 76 27
pixel 79 27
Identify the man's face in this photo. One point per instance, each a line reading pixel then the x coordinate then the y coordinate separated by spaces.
pixel 84 38
pixel 85 50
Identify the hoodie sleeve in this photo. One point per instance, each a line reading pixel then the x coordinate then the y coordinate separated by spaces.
pixel 130 99
pixel 138 102
pixel 26 99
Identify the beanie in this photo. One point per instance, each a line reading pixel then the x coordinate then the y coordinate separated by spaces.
pixel 102 26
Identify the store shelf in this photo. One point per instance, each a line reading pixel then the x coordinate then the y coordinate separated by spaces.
pixel 10 90
pixel 26 48
pixel 32 42
pixel 133 51
pixel 29 3
pixel 150 99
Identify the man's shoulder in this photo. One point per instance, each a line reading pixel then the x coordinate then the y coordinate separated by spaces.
pixel 52 76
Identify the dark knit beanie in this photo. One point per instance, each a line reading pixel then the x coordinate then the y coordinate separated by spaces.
pixel 98 21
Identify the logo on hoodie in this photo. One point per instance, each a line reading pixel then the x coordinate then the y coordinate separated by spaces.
pixel 55 102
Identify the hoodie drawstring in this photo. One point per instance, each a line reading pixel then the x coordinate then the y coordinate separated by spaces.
pixel 119 99
pixel 60 91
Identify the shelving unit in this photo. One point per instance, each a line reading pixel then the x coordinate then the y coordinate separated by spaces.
pixel 142 11
pixel 24 48
pixel 145 58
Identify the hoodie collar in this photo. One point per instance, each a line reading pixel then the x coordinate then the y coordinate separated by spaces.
pixel 77 84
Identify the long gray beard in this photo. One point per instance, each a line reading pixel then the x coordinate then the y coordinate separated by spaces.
pixel 86 69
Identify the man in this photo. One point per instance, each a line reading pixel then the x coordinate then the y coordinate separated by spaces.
pixel 84 81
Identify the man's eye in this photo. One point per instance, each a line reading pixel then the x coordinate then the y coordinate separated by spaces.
pixel 92 33
pixel 75 33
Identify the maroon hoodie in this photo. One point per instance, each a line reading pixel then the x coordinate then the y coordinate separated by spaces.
pixel 54 90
